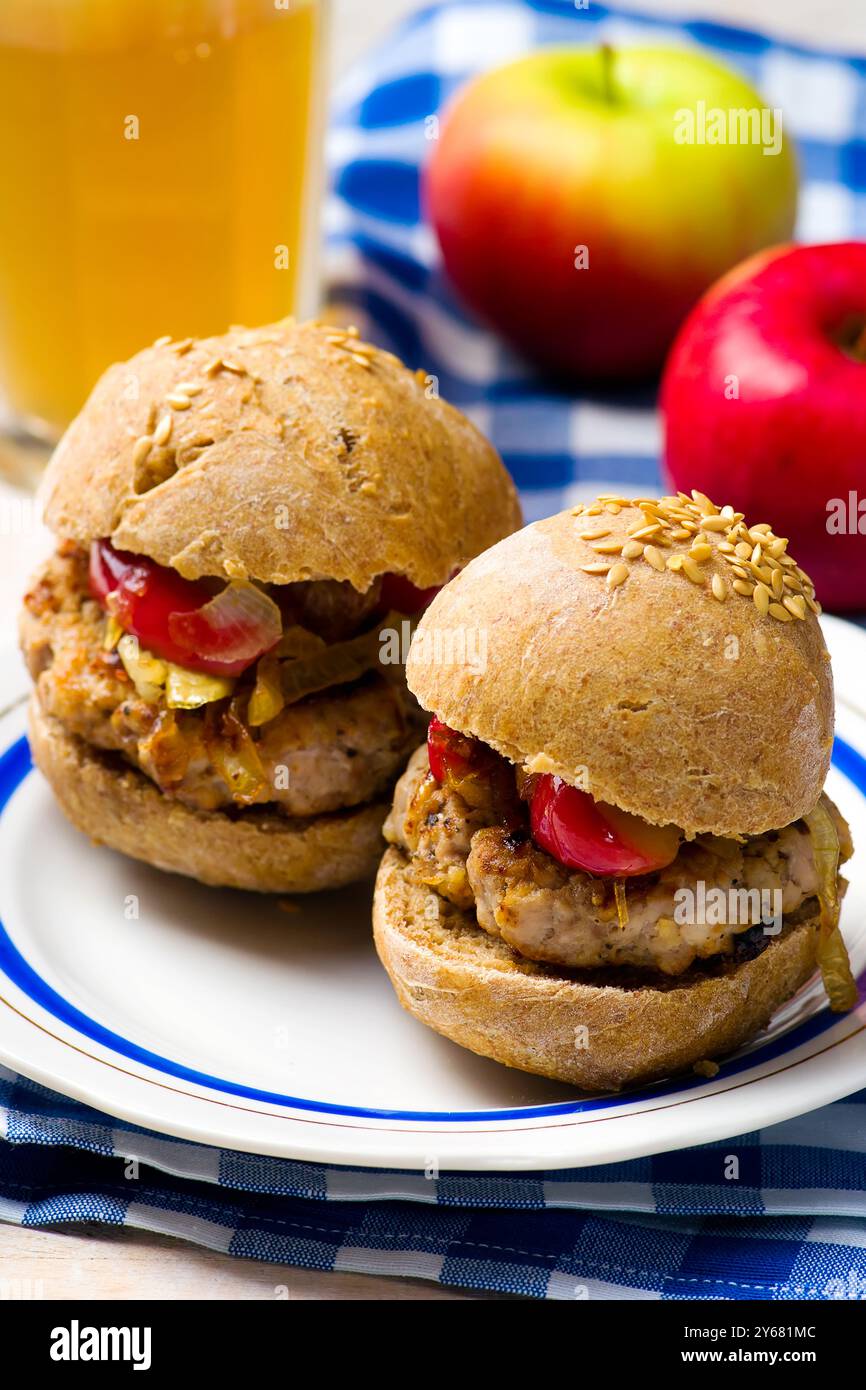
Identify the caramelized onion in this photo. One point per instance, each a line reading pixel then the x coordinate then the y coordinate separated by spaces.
pixel 168 751
pixel 147 672
pixel 298 641
pixel 185 689
pixel 832 953
pixel 267 699
pixel 335 665
pixel 235 757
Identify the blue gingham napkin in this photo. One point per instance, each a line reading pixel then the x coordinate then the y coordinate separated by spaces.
pixel 776 1214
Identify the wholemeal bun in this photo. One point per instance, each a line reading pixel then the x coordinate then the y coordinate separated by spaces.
pixel 595 1030
pixel 640 683
pixel 119 807
pixel 290 452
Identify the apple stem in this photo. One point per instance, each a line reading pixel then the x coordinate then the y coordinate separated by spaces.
pixel 859 348
pixel 607 86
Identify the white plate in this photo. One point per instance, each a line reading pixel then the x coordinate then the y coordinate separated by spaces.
pixel 219 1017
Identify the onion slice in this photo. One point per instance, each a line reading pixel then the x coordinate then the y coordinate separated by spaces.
pixel 338 664
pixel 832 953
pixel 239 623
pixel 234 755
pixel 267 699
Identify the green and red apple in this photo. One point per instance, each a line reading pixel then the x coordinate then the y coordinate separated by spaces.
pixel 585 198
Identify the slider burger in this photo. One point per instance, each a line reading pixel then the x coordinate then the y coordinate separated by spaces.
pixel 614 858
pixel 241 521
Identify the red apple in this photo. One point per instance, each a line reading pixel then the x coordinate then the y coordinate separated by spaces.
pixel 764 402
pixel 583 199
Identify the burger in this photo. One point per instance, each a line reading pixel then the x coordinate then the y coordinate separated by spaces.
pixel 242 522
pixel 614 858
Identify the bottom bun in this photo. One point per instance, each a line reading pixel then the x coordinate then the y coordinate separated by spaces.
pixel 254 849
pixel 573 1026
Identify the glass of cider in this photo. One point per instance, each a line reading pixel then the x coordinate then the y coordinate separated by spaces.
pixel 161 161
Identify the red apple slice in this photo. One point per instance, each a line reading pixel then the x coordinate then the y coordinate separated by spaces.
pixel 585 834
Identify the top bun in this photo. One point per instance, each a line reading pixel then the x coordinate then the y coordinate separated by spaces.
pixel 283 453
pixel 641 675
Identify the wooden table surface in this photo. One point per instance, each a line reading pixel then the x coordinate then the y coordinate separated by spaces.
pixel 93 1262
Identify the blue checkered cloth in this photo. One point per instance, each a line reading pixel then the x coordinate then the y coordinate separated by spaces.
pixel 776 1214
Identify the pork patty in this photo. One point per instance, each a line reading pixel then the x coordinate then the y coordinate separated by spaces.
pixel 547 912
pixel 337 749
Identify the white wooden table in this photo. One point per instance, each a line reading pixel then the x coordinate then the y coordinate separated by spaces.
pixel 95 1262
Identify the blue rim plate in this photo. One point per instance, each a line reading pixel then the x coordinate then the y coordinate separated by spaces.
pixel 222 1018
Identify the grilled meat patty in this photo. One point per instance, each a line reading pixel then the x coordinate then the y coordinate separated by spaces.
pixel 569 918
pixel 337 749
